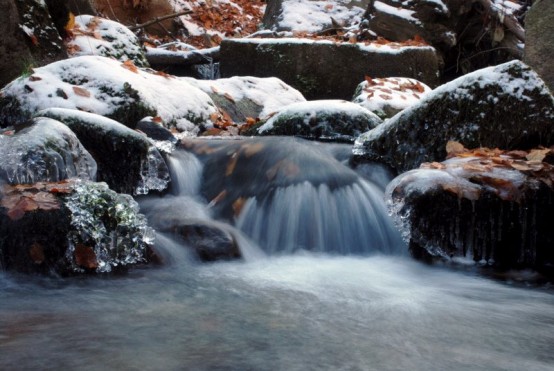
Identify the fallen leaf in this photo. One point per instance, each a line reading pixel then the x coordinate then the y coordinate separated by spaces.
pixel 238 205
pixel 231 164
pixel 157 119
pixel 453 148
pixel 81 91
pixel 229 97
pixel 537 154
pixel 85 257
pixel 129 65
pixel 36 253
pixel 34 78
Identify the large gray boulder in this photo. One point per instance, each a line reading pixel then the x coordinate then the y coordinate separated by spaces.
pixel 506 106
pixel 323 69
pixel 29 38
pixel 539 40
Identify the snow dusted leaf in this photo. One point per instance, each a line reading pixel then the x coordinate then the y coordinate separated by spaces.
pixel 35 78
pixel 81 91
pixel 129 65
pixel 229 97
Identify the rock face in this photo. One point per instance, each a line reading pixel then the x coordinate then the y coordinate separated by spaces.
pixel 539 40
pixel 70 228
pixel 46 150
pixel 109 88
pixel 328 120
pixel 29 38
pixel 248 97
pixel 490 206
pixel 323 69
pixel 126 160
pixel 311 15
pixel 507 106
pixel 100 36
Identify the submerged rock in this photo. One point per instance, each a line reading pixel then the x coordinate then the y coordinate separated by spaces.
pixel 322 69
pixel 106 38
pixel 506 106
pixel 45 150
pixel 126 160
pixel 490 206
pixel 387 96
pixel 109 88
pixel 70 228
pixel 329 120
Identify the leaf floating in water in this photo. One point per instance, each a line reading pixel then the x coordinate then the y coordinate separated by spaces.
pixel 85 257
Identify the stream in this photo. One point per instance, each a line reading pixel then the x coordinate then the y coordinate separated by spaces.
pixel 298 307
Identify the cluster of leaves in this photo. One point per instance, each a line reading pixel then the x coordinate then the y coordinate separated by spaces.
pixel 388 86
pixel 478 165
pixel 23 198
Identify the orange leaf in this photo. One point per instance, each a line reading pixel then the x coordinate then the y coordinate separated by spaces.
pixel 128 64
pixel 81 91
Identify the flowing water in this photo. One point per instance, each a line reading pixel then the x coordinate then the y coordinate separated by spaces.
pixel 277 310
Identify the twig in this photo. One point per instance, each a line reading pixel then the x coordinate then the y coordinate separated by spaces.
pixel 159 19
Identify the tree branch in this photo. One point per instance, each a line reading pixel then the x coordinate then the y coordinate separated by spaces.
pixel 159 19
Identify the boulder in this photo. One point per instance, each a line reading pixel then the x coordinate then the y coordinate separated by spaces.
pixel 387 96
pixel 107 87
pixel 70 227
pixel 43 150
pixel 539 40
pixel 322 69
pixel 491 206
pixel 326 120
pixel 312 15
pixel 126 160
pixel 506 106
pixel 241 98
pixel 106 38
pixel 23 47
pixel 154 130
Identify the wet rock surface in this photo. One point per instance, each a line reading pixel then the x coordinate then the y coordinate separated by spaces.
pixel 539 40
pixel 491 206
pixel 507 106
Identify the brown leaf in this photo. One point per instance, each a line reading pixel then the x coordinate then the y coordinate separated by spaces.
pixel 231 164
pixel 229 97
pixel 453 148
pixel 81 91
pixel 85 257
pixel 157 119
pixel 238 205
pixel 34 78
pixel 537 154
pixel 517 154
pixel 521 166
pixel 219 197
pixel 129 65
pixel 251 149
pixel 36 253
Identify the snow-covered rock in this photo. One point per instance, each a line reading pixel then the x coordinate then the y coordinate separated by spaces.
pixel 126 159
pixel 106 38
pixel 387 96
pixel 312 15
pixel 44 151
pixel 323 69
pixel 506 106
pixel 107 87
pixel 493 209
pixel 71 227
pixel 243 97
pixel 331 120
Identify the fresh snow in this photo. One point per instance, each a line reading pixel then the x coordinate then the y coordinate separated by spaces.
pixel 397 12
pixel 270 93
pixel 101 79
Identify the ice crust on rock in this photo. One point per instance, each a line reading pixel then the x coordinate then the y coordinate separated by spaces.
pixel 45 151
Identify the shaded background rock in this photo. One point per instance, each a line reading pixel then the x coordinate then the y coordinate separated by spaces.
pixel 29 38
pixel 507 106
pixel 323 69
pixel 539 40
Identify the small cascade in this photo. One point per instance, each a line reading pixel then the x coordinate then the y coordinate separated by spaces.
pixel 348 220
pixel 186 173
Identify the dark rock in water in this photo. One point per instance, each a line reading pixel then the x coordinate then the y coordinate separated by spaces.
pixel 326 120
pixel 539 40
pixel 507 106
pixel 45 150
pixel 29 38
pixel 323 69
pixel 126 160
pixel 69 228
pixel 155 130
pixel 492 207
pixel 209 242
pixel 288 194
